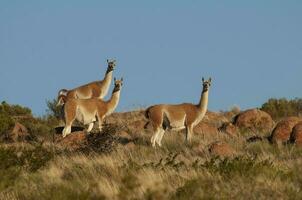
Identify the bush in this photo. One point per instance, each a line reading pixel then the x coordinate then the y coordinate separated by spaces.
pixel 14 110
pixel 53 109
pixel 243 166
pixel 29 159
pixel 6 123
pixel 280 108
pixel 14 160
pixel 37 127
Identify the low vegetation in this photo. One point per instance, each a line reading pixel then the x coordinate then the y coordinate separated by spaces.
pixel 113 167
pixel 280 108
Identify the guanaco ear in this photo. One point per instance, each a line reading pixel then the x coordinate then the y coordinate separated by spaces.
pixel 202 79
pixel 122 79
pixel 114 79
pixel 210 79
pixel 107 60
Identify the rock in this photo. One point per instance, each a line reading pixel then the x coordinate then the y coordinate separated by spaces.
pixel 254 120
pixel 129 146
pixel 124 134
pixel 215 119
pixel 205 128
pixel 73 141
pixel 127 117
pixel 255 138
pixel 137 126
pixel 296 135
pixel 19 133
pixel 221 149
pixel 232 113
pixel 124 137
pixel 283 129
pixel 230 129
pixel 200 149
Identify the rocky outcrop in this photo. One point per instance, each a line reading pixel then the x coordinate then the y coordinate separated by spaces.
pixel 19 133
pixel 296 135
pixel 254 120
pixel 73 141
pixel 221 149
pixel 230 129
pixel 283 129
pixel 205 128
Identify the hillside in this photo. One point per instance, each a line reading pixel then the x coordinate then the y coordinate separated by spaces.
pixel 234 155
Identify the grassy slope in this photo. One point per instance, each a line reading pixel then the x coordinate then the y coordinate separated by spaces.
pixel 176 171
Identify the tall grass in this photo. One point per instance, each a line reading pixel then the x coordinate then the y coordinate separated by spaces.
pixel 175 171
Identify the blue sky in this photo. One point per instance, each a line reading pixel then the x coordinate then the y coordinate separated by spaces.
pixel 251 49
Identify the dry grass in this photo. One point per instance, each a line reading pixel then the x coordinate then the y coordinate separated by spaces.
pixel 257 170
pixel 175 171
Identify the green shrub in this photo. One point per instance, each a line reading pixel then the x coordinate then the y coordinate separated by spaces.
pixel 16 160
pixel 243 166
pixel 53 109
pixel 6 123
pixel 280 108
pixel 30 159
pixel 14 110
pixel 38 128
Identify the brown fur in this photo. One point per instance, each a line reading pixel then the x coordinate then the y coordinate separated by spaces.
pixel 85 110
pixel 97 89
pixel 185 115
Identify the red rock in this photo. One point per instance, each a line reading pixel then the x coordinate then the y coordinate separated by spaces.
pixel 130 146
pixel 296 135
pixel 255 120
pixel 19 133
pixel 200 149
pixel 283 129
pixel 205 128
pixel 138 124
pixel 124 134
pixel 221 149
pixel 230 129
pixel 215 119
pixel 73 141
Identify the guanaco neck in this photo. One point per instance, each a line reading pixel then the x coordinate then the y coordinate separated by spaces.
pixel 114 100
pixel 106 82
pixel 203 104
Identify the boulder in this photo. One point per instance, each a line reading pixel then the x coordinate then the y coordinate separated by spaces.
pixel 215 118
pixel 200 149
pixel 124 134
pixel 254 120
pixel 73 141
pixel 296 135
pixel 205 128
pixel 283 129
pixel 137 125
pixel 230 129
pixel 19 133
pixel 124 137
pixel 221 149
pixel 129 146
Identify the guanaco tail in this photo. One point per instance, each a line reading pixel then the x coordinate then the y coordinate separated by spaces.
pixel 86 110
pixel 97 89
pixel 177 117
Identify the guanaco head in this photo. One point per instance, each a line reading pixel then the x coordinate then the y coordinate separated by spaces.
pixel 61 94
pixel 111 65
pixel 117 85
pixel 206 84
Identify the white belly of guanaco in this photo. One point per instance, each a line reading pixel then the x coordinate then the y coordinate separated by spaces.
pixel 85 117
